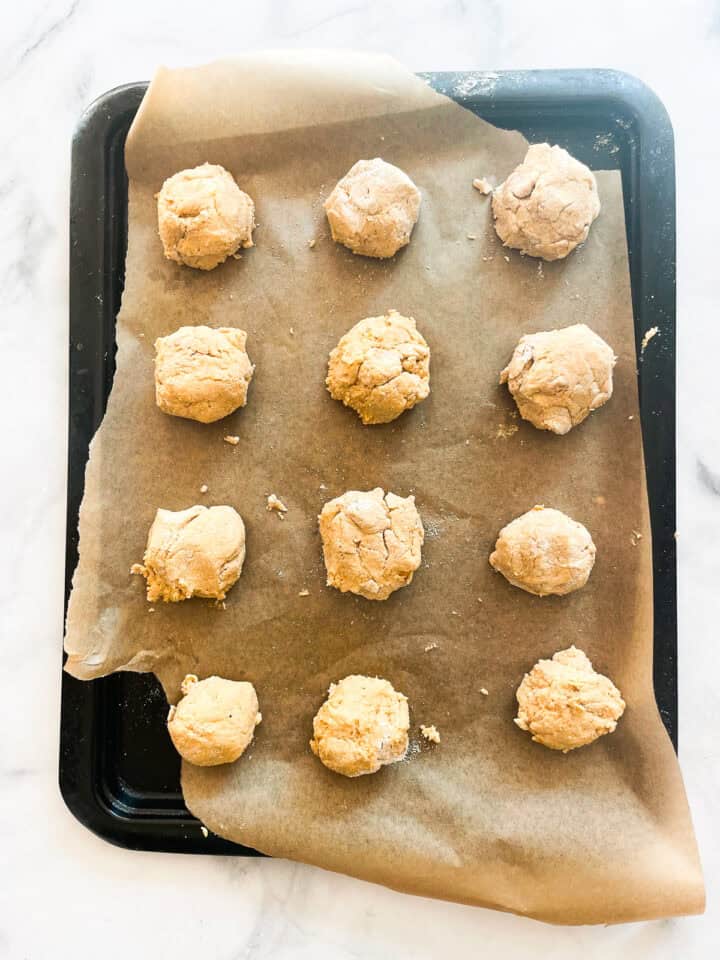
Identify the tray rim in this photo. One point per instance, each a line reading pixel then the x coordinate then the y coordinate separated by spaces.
pixel 105 118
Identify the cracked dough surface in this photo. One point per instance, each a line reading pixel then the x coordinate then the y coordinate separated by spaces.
pixel 564 703
pixel 215 720
pixel 380 368
pixel 204 217
pixel 371 542
pixel 362 726
pixel 544 551
pixel 558 377
pixel 546 206
pixel 202 373
pixel 198 552
pixel 373 209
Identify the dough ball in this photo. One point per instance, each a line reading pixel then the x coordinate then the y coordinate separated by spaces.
pixel 373 209
pixel 204 217
pixel 544 552
pixel 362 725
pixel 371 542
pixel 202 373
pixel 380 368
pixel 565 704
pixel 547 204
pixel 215 720
pixel 560 376
pixel 198 552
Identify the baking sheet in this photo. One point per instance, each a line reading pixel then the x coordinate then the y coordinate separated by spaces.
pixel 487 816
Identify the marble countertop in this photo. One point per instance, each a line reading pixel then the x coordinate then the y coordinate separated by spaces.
pixel 63 891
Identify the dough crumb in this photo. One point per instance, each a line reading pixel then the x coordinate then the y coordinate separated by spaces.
pixel 430 646
pixel 564 703
pixel 204 831
pixel 304 593
pixel 647 337
pixel 631 417
pixel 362 726
pixel 430 733
pixel 274 503
pixel 311 243
pixel 151 609
pixel 204 488
pixel 137 568
pixel 482 185
pixel 484 692
pixel 472 236
pixel 635 537
pixel 234 441
pixel 506 259
pixel 504 432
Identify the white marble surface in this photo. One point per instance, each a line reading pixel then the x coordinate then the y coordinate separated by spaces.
pixel 65 893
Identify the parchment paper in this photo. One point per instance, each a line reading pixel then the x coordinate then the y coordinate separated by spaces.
pixel 487 817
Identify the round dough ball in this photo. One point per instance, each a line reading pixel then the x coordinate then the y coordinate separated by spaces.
pixel 380 368
pixel 202 373
pixel 198 552
pixel 547 204
pixel 362 725
pixel 215 720
pixel 204 217
pixel 565 704
pixel 544 552
pixel 373 209
pixel 371 542
pixel 559 377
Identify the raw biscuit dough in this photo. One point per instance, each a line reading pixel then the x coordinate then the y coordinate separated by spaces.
pixel 543 552
pixel 204 217
pixel 362 725
pixel 565 704
pixel 373 209
pixel 198 552
pixel 558 377
pixel 380 368
pixel 371 542
pixel 202 373
pixel 547 204
pixel 215 720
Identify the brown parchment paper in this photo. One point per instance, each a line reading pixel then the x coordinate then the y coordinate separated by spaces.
pixel 487 817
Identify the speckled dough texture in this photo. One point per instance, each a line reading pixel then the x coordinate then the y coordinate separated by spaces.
pixel 380 368
pixel 546 206
pixel 204 217
pixel 373 209
pixel 198 552
pixel 565 704
pixel 202 373
pixel 362 726
pixel 215 720
pixel 372 542
pixel 544 551
pixel 558 377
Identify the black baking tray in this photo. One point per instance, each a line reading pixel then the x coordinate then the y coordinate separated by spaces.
pixel 118 772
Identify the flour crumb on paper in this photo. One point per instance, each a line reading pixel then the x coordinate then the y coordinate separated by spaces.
pixel 275 504
pixel 232 440
pixel 430 733
pixel 482 185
